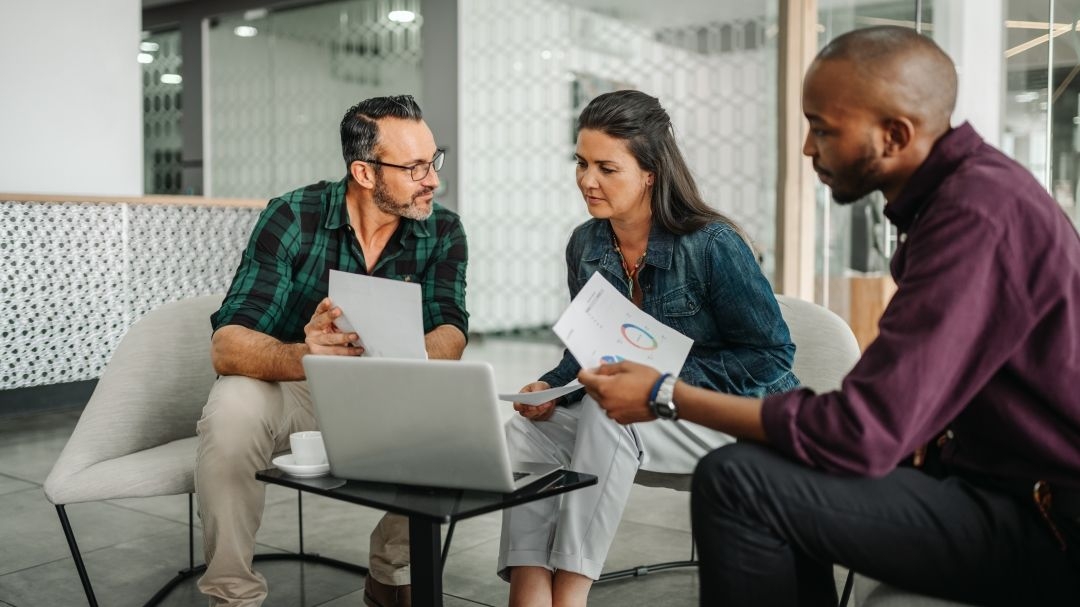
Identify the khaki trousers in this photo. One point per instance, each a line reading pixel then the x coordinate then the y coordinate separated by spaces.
pixel 245 422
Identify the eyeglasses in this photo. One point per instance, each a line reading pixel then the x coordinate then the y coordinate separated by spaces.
pixel 420 170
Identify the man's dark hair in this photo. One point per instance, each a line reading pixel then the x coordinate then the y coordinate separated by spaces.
pixel 360 129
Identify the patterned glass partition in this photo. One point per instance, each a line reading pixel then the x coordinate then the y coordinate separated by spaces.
pixel 79 274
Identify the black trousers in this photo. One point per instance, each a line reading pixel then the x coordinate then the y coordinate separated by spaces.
pixel 769 530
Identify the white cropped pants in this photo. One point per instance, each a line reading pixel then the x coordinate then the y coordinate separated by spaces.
pixel 574 531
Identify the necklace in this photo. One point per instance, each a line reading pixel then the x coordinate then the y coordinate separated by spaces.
pixel 631 273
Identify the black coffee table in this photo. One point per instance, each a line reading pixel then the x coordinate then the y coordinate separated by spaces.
pixel 427 509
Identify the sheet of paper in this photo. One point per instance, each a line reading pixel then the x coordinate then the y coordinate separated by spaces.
pixel 385 313
pixel 602 326
pixel 542 396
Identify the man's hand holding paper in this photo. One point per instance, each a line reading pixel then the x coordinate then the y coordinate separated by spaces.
pixel 323 335
pixel 384 315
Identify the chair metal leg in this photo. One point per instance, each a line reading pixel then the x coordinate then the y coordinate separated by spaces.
pixel 76 556
pixel 184 574
pixel 641 570
pixel 192 569
pixel 848 583
pixel 300 517
pixel 191 530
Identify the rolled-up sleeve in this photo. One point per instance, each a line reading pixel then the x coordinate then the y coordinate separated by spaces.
pixel 260 288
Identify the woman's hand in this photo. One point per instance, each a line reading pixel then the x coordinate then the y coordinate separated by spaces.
pixel 537 413
pixel 622 390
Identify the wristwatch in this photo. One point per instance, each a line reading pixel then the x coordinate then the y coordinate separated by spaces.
pixel 662 405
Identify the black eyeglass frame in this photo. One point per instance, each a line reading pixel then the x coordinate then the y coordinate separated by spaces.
pixel 436 163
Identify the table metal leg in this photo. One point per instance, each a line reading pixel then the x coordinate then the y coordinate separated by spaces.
pixel 425 558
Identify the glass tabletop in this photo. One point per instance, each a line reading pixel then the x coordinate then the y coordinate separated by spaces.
pixel 434 503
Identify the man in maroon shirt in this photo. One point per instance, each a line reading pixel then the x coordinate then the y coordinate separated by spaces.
pixel 978 357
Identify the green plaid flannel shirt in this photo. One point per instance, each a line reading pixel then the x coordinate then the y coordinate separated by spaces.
pixel 301 236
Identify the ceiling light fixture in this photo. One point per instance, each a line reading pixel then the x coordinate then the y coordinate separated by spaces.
pixel 149 47
pixel 402 16
pixel 171 79
pixel 145 58
pixel 245 31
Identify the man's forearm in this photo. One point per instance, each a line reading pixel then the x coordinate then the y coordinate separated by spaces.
pixel 445 342
pixel 738 416
pixel 237 350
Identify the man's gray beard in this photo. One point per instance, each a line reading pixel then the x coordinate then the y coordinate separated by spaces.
pixel 408 210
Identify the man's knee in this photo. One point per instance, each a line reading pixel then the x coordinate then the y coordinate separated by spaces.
pixel 728 476
pixel 239 412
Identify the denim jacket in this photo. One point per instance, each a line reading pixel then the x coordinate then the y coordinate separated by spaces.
pixel 706 285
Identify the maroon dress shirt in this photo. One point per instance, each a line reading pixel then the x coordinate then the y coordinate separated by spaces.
pixel 981 339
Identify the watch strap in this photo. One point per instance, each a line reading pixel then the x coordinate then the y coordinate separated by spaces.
pixel 660 401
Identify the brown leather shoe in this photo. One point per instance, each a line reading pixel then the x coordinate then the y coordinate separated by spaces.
pixel 377 594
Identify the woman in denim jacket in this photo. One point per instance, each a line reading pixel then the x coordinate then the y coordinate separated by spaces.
pixel 655 239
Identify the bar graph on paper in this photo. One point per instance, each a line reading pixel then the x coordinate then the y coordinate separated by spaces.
pixel 601 326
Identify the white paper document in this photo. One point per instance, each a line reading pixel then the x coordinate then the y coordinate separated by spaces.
pixel 541 396
pixel 385 313
pixel 602 326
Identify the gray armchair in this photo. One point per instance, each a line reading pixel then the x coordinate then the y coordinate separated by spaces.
pixel 136 435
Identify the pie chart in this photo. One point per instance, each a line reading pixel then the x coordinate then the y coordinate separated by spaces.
pixel 638 337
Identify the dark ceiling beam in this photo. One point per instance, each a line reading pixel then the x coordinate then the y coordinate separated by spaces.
pixel 173 15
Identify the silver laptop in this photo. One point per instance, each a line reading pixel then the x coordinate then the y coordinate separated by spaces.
pixel 419 422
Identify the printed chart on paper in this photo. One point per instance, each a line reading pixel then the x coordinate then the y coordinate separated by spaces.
pixel 602 326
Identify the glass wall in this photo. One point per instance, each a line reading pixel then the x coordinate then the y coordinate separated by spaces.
pixel 855 242
pixel 1042 121
pixel 279 82
pixel 159 55
pixel 1018 62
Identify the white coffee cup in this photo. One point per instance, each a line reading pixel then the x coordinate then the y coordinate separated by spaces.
pixel 307 448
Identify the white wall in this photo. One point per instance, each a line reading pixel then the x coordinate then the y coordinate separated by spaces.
pixel 71 107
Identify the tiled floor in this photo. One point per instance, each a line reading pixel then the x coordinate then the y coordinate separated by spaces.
pixel 131 547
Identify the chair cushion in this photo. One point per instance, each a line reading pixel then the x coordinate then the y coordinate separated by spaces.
pixel 145 405
pixel 167 469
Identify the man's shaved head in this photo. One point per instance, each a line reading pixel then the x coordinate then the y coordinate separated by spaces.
pixel 877 100
pixel 899 72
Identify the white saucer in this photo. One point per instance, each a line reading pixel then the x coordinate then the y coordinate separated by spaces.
pixel 285 464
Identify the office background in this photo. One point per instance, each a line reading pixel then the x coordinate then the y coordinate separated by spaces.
pixel 238 101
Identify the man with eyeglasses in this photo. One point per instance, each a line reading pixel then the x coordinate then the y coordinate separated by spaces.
pixel 380 220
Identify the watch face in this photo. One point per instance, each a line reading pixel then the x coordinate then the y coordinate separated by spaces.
pixel 663 410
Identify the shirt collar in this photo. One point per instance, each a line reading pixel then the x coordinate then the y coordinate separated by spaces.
pixel 661 247
pixel 658 252
pixel 337 212
pixel 946 155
